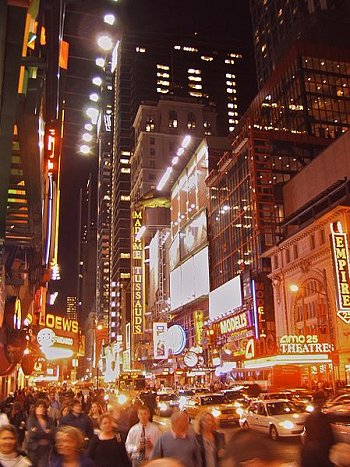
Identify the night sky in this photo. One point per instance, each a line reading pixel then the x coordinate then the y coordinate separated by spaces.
pixel 213 19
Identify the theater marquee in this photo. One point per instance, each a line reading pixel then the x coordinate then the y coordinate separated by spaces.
pixel 341 270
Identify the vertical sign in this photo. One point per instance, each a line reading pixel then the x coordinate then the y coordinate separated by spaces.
pixel 198 326
pixel 160 348
pixel 341 269
pixel 137 271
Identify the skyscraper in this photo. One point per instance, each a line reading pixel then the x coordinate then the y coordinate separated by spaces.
pixel 276 23
pixel 147 67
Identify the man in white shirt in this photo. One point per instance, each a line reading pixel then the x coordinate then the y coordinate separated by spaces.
pixel 142 437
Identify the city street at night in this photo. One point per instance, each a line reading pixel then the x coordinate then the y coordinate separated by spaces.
pixel 174 233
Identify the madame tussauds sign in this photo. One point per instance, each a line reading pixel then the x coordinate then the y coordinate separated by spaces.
pixel 294 344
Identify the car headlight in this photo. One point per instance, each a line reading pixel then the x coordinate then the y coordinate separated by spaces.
pixel 309 408
pixel 239 411
pixel 216 412
pixel 162 406
pixel 287 424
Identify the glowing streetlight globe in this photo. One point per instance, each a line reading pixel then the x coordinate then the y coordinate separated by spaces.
pixel 105 42
pixel 88 126
pixel 100 62
pixel 97 81
pixel 293 288
pixel 84 149
pixel 109 19
pixel 94 97
pixel 87 137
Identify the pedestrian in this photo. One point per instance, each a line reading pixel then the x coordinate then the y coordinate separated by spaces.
pixel 250 449
pixel 69 449
pixel 165 462
pixel 142 437
pixel 54 410
pixel 18 419
pixel 78 419
pixel 41 434
pixel 178 443
pixel 9 453
pixel 94 415
pixel 318 436
pixel 107 448
pixel 211 441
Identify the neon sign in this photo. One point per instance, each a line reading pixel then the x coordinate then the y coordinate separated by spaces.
pixel 300 344
pixel 234 323
pixel 341 267
pixel 138 295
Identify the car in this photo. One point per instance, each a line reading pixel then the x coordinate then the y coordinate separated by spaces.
pixel 339 416
pixel 223 410
pixel 339 399
pixel 302 399
pixel 275 417
pixel 166 404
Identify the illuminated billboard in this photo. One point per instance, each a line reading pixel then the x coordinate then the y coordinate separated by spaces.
pixel 137 276
pixel 193 235
pixel 58 336
pixel 340 252
pixel 225 299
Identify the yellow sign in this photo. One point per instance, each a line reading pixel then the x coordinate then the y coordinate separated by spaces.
pixel 233 324
pixel 341 268
pixel 299 344
pixel 60 323
pixel 137 268
pixel 198 326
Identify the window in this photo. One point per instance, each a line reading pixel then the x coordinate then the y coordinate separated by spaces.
pixel 152 140
pixel 207 128
pixel 172 119
pixel 191 121
pixel 322 236
pixel 295 251
pixel 150 124
pixel 312 242
pixel 287 255
pixel 152 152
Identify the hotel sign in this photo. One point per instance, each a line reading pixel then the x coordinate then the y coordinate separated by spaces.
pixel 301 344
pixel 340 252
pixel 137 269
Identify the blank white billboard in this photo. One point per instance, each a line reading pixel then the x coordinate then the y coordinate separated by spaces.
pixel 225 299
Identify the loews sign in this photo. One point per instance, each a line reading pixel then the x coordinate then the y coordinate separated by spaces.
pixel 137 268
pixel 295 344
pixel 341 268
pixel 59 323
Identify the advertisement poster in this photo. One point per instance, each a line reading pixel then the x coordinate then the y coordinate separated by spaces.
pixel 160 348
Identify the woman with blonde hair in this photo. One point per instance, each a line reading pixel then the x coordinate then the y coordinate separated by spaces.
pixel 69 449
pixel 9 453
pixel 94 415
pixel 211 441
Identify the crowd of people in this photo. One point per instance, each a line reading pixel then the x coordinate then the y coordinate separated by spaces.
pixel 69 430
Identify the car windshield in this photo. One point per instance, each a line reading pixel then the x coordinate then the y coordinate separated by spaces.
pixel 167 397
pixel 213 399
pixel 281 408
pixel 186 392
pixel 234 395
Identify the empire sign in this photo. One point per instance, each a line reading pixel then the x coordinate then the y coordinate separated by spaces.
pixel 341 268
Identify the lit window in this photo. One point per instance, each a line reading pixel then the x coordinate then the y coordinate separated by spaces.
pixel 150 126
pixel 125 170
pixel 194 78
pixel 163 82
pixel 125 255
pixel 124 161
pixel 162 90
pixel 162 75
pixel 125 198
pixel 191 121
pixel 195 86
pixel 177 47
pixel 189 49
pixel 125 275
pixel 196 94
pixel 194 71
pixel 140 49
pixel 231 128
pixel 172 119
pixel 162 67
pixel 207 58
pixel 229 62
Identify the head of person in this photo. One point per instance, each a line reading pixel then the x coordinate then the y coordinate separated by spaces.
pixel 180 423
pixel 8 439
pixel 52 397
pixel 96 409
pixel 318 399
pixel 65 410
pixel 143 414
pixel 206 422
pixel 250 449
pixel 69 441
pixel 76 407
pixel 106 423
pixel 16 407
pixel 40 408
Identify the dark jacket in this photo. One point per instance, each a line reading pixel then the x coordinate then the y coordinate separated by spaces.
pixel 82 422
pixel 317 441
pixel 219 443
pixel 57 461
pixel 37 434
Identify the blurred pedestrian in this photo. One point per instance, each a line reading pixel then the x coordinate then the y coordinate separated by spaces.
pixel 211 441
pixel 9 452
pixel 178 443
pixel 318 436
pixel 69 449
pixel 41 432
pixel 250 449
pixel 107 448
pixel 142 437
pixel 18 419
pixel 165 462
pixel 54 410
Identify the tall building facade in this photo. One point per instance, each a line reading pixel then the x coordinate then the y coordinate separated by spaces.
pixel 277 23
pixel 71 309
pixel 147 67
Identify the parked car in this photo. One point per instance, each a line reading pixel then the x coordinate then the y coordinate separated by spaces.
pixel 275 417
pixel 223 410
pixel 339 399
pixel 339 416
